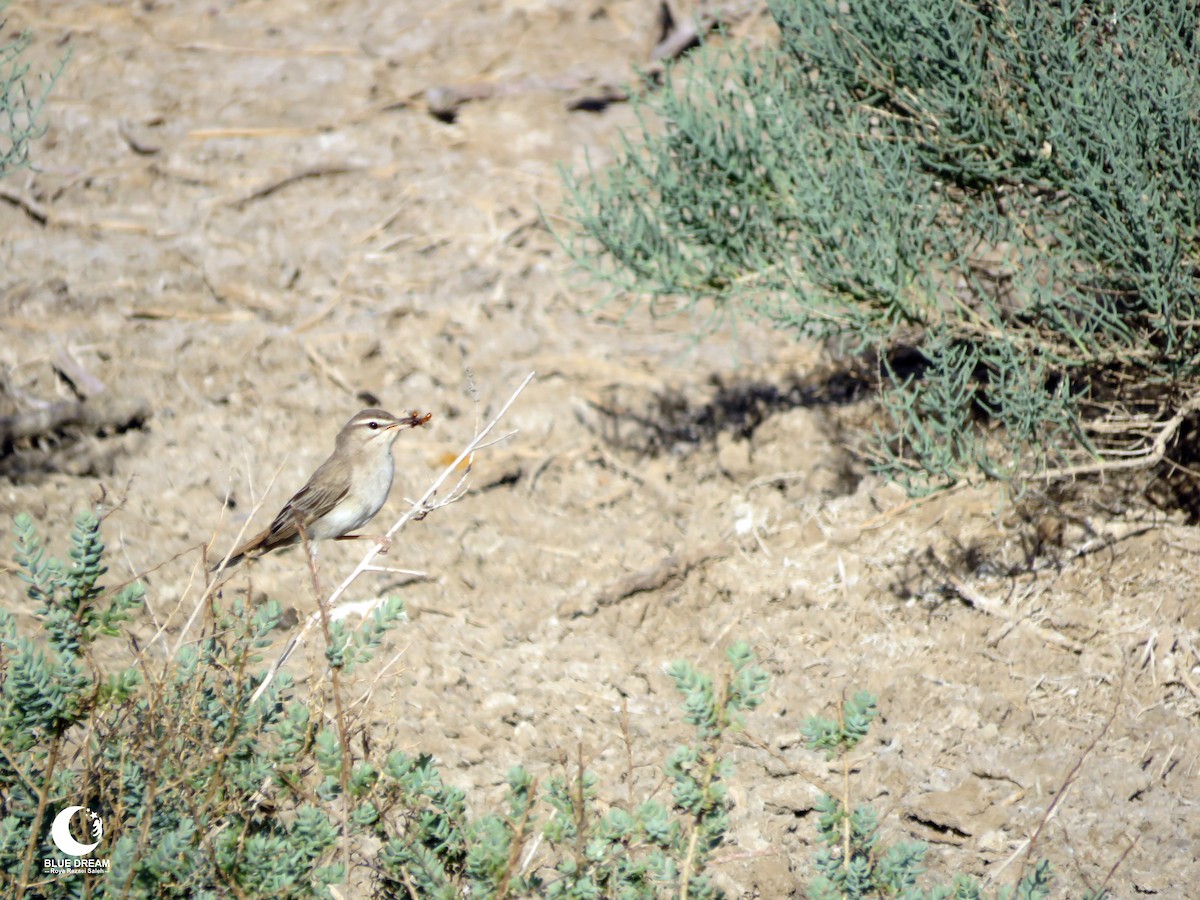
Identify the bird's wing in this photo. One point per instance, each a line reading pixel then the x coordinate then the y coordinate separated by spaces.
pixel 310 503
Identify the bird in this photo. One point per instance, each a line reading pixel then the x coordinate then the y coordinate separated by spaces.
pixel 344 493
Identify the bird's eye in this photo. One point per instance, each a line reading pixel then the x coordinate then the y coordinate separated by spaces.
pixel 373 425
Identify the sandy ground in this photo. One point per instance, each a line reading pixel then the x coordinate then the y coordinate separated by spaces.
pixel 253 225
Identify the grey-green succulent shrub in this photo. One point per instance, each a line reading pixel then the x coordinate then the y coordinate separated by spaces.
pixel 1012 189
pixel 19 107
pixel 855 864
pixel 204 793
pixel 585 848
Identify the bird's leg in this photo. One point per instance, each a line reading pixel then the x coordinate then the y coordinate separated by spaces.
pixel 384 542
pixel 310 549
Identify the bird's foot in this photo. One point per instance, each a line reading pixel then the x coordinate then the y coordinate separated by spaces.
pixel 384 542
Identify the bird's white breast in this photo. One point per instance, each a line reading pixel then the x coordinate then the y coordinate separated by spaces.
pixel 365 499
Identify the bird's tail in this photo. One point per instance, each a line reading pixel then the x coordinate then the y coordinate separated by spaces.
pixel 226 564
pixel 247 549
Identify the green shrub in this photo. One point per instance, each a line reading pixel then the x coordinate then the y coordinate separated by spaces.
pixel 19 110
pixel 203 792
pixel 853 863
pixel 1012 189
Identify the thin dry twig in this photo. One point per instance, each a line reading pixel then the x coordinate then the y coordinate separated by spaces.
pixel 212 585
pixel 676 565
pixel 81 381
pixel 107 411
pixel 339 707
pixel 289 52
pixel 1100 891
pixel 135 143
pixel 278 184
pixel 383 670
pixel 1028 845
pixel 30 207
pixel 980 601
pixel 900 509
pixel 327 368
pixel 1151 456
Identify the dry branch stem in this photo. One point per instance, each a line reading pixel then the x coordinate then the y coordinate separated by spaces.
pixel 1153 456
pixel 887 515
pixel 271 187
pixel 327 368
pixel 417 510
pixel 99 412
pixel 34 210
pixel 518 844
pixel 82 382
pixel 986 604
pixel 845 790
pixel 676 565
pixel 1068 781
pixel 1150 456
pixel 40 815
pixel 339 707
pixel 216 582
pixel 687 863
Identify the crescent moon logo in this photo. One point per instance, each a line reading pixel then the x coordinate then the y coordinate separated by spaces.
pixel 60 833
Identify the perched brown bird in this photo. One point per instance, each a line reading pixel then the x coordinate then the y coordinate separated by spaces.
pixel 345 492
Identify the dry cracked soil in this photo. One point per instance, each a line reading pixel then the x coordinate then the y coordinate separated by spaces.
pixel 244 223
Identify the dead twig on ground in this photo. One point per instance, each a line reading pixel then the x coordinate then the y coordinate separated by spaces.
pixel 135 143
pixel 442 101
pixel 278 184
pixel 676 565
pixel 1029 844
pixel 101 412
pixel 80 380
pixel 1142 459
pixel 287 52
pixel 188 315
pixel 327 368
pixel 980 601
pixel 675 39
pixel 34 210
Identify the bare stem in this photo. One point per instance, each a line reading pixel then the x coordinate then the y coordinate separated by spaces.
pixel 1151 455
pixel 343 732
pixel 39 816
